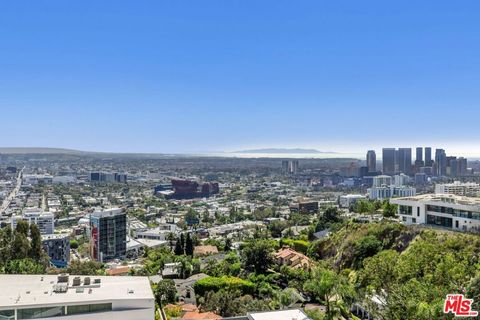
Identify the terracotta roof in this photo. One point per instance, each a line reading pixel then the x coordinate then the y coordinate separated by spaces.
pixel 200 315
pixel 202 250
pixel 117 271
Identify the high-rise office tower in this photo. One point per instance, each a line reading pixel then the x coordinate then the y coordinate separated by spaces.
pixel 428 157
pixel 108 234
pixel 462 166
pixel 371 161
pixel 419 154
pixel 290 166
pixel 388 160
pixel 404 160
pixel 452 166
pixel 440 162
pixel 419 159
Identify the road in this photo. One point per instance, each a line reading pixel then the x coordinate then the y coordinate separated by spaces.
pixel 13 193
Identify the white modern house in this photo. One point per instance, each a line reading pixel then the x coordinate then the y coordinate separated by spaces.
pixel 443 210
pixel 66 297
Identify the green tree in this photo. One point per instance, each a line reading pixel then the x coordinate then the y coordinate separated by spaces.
pixel 228 245
pixel 22 227
pixel 171 238
pixel 6 239
pixel 332 289
pixel 257 255
pixel 20 245
pixel 389 210
pixel 24 266
pixel 86 268
pixel 189 246
pixel 73 244
pixel 165 291
pixel 179 250
pixel 366 247
pixel 36 250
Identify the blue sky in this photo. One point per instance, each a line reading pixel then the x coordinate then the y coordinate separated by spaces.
pixel 192 76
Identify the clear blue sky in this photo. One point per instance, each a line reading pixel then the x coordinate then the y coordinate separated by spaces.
pixel 190 76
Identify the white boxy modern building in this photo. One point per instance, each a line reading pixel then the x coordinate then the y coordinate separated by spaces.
pixel 75 297
pixel 443 210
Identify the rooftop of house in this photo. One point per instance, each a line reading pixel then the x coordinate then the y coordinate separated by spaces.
pixel 296 314
pixel 30 290
pixel 203 250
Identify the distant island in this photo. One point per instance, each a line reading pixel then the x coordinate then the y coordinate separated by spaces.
pixel 283 150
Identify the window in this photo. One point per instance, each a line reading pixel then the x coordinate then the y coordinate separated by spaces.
pixel 7 314
pixel 405 210
pixel 439 221
pixel 88 308
pixel 35 313
pixel 414 220
pixel 418 211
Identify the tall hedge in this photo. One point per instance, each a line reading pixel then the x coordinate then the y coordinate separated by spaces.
pixel 218 283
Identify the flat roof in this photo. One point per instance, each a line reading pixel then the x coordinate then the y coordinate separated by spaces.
pixel 33 290
pixel 108 212
pixel 442 198
pixel 279 315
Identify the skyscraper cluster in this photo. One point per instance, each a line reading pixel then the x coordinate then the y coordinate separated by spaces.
pixel 290 166
pixel 395 161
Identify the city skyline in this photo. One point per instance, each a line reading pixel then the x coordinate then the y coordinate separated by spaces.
pixel 190 78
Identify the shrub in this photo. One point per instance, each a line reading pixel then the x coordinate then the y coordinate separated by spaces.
pixel 226 283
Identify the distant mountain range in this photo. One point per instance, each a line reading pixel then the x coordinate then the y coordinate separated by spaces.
pixel 35 150
pixel 283 150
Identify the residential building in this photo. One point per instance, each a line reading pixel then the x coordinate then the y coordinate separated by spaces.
pixel 442 210
pixel 401 180
pixel 385 192
pixel 291 258
pixel 66 297
pixel 108 234
pixel 199 251
pixel 345 201
pixel 469 189
pixel 420 178
pixel 296 314
pixel 382 180
pixel 57 248
pixel 45 221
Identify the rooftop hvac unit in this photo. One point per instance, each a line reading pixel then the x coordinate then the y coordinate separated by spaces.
pixel 62 278
pixel 86 281
pixel 60 288
pixel 76 281
pixel 97 281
